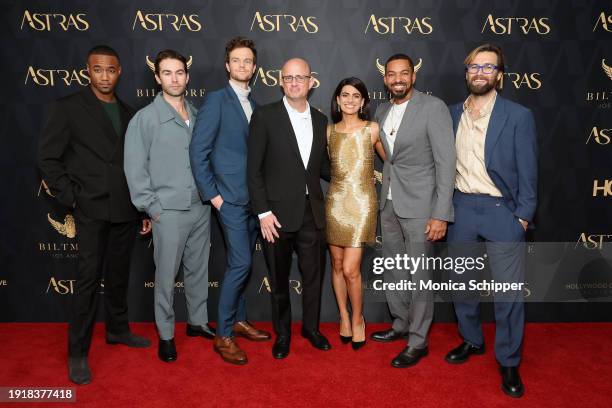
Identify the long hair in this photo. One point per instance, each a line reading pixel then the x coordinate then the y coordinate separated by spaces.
pixel 358 84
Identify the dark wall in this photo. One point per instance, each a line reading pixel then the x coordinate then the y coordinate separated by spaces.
pixel 558 55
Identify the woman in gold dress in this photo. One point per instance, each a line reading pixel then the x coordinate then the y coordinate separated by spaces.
pixel 351 207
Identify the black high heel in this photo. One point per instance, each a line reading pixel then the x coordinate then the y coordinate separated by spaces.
pixel 346 339
pixel 359 344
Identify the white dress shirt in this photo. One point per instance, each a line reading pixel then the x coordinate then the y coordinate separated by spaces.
pixel 391 126
pixel 301 122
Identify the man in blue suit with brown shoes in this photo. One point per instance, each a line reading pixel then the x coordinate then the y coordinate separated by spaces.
pixel 494 201
pixel 218 153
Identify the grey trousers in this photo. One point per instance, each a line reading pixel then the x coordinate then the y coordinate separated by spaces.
pixel 181 237
pixel 412 311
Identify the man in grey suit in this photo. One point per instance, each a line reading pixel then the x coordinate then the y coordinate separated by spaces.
pixel 416 198
pixel 161 183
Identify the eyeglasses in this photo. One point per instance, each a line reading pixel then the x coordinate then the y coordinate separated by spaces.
pixel 486 68
pixel 300 79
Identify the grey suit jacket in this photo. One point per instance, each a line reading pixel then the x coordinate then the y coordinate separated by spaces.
pixel 156 163
pixel 421 170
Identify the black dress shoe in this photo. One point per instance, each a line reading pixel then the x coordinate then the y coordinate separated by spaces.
pixel 317 340
pixel 387 336
pixel 409 357
pixel 167 350
pixel 129 339
pixel 511 382
pixel 280 349
pixel 346 339
pixel 461 354
pixel 78 370
pixel 203 331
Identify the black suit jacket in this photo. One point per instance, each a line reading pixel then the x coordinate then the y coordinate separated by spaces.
pixel 277 178
pixel 80 156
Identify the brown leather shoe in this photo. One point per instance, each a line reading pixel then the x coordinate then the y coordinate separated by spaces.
pixel 246 330
pixel 229 350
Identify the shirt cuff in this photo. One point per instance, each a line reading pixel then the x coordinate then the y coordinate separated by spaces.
pixel 154 209
pixel 263 215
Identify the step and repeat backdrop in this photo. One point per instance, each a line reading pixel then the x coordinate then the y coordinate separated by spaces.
pixel 559 64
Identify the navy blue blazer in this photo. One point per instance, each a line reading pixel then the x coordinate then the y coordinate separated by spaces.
pixel 218 149
pixel 510 154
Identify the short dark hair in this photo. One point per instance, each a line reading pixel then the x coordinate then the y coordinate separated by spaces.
pixel 494 48
pixel 399 57
pixel 364 113
pixel 240 42
pixel 102 49
pixel 170 54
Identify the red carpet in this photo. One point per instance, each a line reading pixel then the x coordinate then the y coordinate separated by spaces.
pixel 565 365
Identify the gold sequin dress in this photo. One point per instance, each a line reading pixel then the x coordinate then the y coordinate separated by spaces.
pixel 351 207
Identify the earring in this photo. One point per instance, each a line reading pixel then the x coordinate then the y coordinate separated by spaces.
pixel 338 108
pixel 361 109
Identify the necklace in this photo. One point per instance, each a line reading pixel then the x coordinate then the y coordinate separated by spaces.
pixel 394 122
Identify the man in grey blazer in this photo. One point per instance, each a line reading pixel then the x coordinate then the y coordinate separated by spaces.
pixel 160 180
pixel 416 198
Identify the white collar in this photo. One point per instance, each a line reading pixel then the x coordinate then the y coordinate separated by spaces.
pixel 291 111
pixel 400 105
pixel 240 91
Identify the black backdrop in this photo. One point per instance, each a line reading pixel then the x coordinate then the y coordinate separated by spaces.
pixel 558 54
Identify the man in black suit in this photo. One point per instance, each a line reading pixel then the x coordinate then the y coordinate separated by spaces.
pixel 81 159
pixel 287 154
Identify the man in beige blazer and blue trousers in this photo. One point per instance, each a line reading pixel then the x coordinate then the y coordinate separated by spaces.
pixel 416 198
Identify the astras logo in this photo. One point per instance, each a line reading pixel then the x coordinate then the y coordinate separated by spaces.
pixel 273 77
pixel 49 76
pixel 531 80
pixel 599 136
pixel 161 21
pixel 393 24
pixel 592 241
pixel 61 286
pixel 51 21
pixel 511 25
pixel 603 22
pixel 276 22
pixel 296 285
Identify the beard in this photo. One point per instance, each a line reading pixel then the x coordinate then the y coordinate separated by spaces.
pixel 481 89
pixel 399 94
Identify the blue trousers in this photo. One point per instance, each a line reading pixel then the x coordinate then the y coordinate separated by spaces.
pixel 240 233
pixel 482 219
